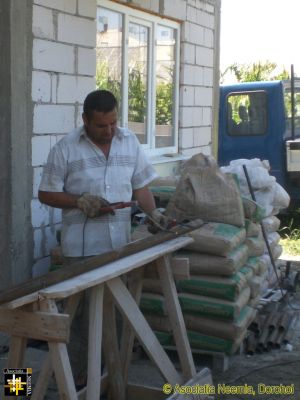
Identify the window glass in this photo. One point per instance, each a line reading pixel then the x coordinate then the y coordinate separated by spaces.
pixel 138 60
pixel 109 52
pixel 137 80
pixel 165 76
pixel 288 109
pixel 247 113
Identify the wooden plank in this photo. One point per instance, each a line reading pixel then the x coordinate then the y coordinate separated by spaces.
pixel 135 284
pixel 42 382
pixel 148 340
pixel 60 361
pixel 78 268
pixel 35 325
pixel 116 390
pixel 95 341
pixel 176 318
pixel 112 270
pixel 17 348
pixel 144 392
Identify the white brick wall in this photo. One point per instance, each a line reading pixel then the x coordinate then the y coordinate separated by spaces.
pixel 41 146
pixel 174 8
pixel 76 30
pixel 87 8
pixel 53 56
pixel 72 89
pixel 87 61
pixel 63 5
pixel 41 86
pixel 53 119
pixel 42 23
pixel 202 136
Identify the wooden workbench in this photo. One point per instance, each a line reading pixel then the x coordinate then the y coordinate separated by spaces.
pixel 36 316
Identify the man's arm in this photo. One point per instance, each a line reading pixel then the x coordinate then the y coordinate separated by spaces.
pixel 59 199
pixel 145 199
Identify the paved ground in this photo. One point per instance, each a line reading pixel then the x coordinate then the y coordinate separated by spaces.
pixel 272 368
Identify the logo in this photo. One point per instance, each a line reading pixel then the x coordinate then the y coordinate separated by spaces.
pixel 17 382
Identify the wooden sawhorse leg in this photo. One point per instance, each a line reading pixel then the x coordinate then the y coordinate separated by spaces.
pixel 42 383
pixel 60 361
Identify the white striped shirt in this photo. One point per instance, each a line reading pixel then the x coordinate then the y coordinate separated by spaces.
pixel 76 165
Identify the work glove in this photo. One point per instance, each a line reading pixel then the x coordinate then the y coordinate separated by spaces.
pixel 158 221
pixel 91 205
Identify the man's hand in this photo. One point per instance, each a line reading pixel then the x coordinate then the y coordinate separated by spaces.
pixel 91 205
pixel 159 221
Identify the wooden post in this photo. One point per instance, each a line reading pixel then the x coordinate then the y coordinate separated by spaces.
pixel 135 284
pixel 116 389
pixel 95 339
pixel 176 317
pixel 148 340
pixel 60 362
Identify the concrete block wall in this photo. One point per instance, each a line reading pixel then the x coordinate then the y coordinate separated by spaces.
pixel 64 63
pixel 196 77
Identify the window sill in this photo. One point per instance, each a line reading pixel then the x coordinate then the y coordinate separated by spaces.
pixel 167 158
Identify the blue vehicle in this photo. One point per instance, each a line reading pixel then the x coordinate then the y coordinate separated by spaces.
pixel 262 120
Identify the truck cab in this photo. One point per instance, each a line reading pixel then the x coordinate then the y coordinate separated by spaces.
pixel 256 120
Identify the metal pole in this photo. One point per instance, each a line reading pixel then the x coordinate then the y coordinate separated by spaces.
pixel 292 102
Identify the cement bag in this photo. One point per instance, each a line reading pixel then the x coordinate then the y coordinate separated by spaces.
pixel 158 323
pixel 258 172
pixel 222 329
pixel 213 308
pixel 256 246
pixel 164 187
pixel 152 303
pixel 152 286
pixel 253 210
pixel 281 197
pixel 273 239
pixel 271 224
pixel 255 285
pixel 252 228
pixel 214 286
pixel 213 343
pixel 207 264
pixel 164 338
pixel 216 238
pixel 257 264
pixel 247 273
pixel 205 192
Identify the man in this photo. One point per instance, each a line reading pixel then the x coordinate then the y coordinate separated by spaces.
pixel 93 166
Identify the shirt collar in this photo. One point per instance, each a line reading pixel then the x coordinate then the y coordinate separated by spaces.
pixel 120 132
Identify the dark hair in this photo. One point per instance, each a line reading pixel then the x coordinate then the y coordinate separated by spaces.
pixel 99 100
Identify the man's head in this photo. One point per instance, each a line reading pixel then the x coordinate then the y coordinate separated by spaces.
pixel 100 113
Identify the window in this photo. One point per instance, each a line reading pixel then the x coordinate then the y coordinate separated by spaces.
pixel 138 60
pixel 247 113
pixel 288 109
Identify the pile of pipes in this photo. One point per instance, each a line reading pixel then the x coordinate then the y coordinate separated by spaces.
pixel 269 331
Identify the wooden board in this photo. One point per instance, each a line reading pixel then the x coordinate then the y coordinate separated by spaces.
pixel 53 277
pixel 35 325
pixel 112 270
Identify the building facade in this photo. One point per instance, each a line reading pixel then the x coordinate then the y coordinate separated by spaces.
pixel 160 57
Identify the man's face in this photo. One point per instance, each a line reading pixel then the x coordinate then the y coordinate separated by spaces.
pixel 101 127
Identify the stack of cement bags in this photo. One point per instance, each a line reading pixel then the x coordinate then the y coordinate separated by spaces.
pixel 215 301
pixel 270 199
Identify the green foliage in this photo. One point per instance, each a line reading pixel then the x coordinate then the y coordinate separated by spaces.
pixel 137 89
pixel 164 104
pixel 290 233
pixel 137 94
pixel 255 72
pixel 104 81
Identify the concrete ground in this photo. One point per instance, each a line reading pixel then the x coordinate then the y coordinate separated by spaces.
pixel 273 368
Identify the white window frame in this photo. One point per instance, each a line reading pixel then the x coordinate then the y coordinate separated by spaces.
pixel 150 21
